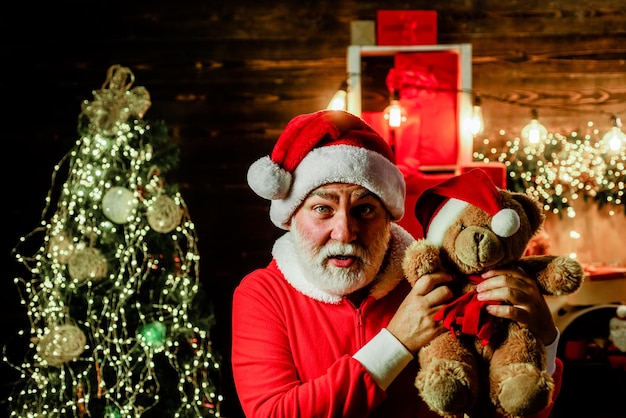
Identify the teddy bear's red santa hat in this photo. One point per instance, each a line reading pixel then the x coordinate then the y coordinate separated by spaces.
pixel 441 205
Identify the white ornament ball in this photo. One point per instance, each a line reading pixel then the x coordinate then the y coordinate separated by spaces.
pixel 118 204
pixel 164 214
pixel 87 264
pixel 62 344
pixel 61 247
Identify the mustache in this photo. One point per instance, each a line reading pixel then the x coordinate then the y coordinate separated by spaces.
pixel 342 250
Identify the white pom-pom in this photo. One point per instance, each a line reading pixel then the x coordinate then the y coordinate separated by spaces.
pixel 268 179
pixel 621 311
pixel 505 223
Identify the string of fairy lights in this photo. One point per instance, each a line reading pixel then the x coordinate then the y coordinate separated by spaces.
pixel 113 278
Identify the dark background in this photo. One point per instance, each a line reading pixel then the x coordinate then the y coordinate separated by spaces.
pixel 226 76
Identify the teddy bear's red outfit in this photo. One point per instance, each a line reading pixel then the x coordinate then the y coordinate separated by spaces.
pixel 298 352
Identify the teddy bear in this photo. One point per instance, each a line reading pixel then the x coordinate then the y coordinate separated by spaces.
pixel 483 363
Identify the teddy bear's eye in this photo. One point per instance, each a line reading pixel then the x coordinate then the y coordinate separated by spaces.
pixel 462 227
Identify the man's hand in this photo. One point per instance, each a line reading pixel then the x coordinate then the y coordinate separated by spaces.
pixel 413 322
pixel 523 302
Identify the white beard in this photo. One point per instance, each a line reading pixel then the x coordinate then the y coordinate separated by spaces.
pixel 336 280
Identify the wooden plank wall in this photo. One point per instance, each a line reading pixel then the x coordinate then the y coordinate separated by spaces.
pixel 227 77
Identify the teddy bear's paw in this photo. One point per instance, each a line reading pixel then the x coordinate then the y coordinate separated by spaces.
pixel 523 391
pixel 421 257
pixel 568 276
pixel 448 387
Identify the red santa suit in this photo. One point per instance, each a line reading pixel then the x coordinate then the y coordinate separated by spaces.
pixel 298 351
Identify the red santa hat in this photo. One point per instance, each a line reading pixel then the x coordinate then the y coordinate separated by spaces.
pixel 328 146
pixel 440 206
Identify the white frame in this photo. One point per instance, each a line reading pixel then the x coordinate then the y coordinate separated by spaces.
pixel 464 100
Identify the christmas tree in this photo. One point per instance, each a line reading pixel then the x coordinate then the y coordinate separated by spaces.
pixel 118 327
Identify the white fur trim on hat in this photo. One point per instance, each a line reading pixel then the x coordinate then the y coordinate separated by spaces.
pixel 505 223
pixel 445 216
pixel 342 164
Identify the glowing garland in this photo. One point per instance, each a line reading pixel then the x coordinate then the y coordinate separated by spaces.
pixel 114 280
pixel 562 169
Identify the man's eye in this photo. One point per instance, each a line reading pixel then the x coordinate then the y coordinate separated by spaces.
pixel 365 210
pixel 322 209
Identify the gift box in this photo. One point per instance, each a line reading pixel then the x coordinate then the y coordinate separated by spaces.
pixel 406 27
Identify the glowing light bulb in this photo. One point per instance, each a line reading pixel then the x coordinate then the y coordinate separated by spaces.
pixel 476 122
pixel 615 139
pixel 395 113
pixel 534 132
pixel 339 100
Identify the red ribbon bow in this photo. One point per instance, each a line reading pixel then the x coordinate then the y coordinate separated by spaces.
pixel 466 314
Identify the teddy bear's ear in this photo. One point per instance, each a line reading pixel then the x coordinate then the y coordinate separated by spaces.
pixel 530 206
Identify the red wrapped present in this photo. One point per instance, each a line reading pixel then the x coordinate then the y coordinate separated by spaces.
pixel 406 27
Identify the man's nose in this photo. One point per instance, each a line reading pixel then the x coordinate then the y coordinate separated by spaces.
pixel 344 228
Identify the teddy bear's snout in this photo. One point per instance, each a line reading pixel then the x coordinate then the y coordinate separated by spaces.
pixel 478 248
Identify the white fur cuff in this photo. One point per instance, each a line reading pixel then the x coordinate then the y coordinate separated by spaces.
pixel 384 357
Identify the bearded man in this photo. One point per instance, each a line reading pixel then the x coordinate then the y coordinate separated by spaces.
pixel 330 327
